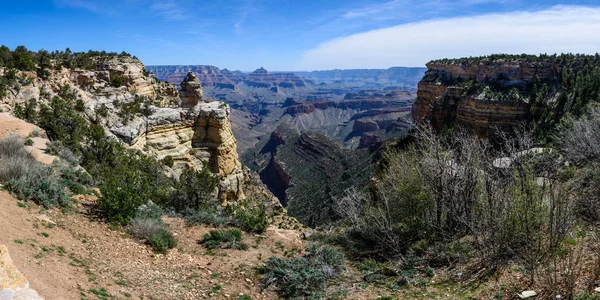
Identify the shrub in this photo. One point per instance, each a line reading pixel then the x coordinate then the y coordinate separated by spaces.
pixel 15 160
pixel 328 258
pixel 303 276
pixel 168 161
pixel 579 139
pixel 148 226
pixel 293 277
pixel 28 142
pixel 194 191
pixel 400 216
pixel 63 123
pixel 41 185
pixel 116 80
pixel 130 179
pixel 28 111
pixel 252 216
pixel 57 148
pixel 143 228
pixel 446 188
pixel 119 201
pixel 224 239
pixel 208 217
pixel 26 177
pixel 162 241
pixel 102 110
pixel 80 105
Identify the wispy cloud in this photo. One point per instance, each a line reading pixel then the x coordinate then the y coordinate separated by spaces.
pixel 171 10
pixel 398 9
pixel 168 10
pixel 85 4
pixel 385 10
pixel 245 10
pixel 558 29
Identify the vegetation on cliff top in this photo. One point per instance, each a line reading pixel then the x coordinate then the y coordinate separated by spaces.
pixel 24 59
pixel 496 58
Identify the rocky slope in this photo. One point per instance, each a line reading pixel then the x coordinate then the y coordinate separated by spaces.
pixel 307 170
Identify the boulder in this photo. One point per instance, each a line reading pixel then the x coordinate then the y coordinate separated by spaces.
pixel 13 285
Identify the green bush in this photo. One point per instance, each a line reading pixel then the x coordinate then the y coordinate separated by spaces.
pixel 79 105
pixel 40 185
pixel 102 110
pixel 251 216
pixel 306 276
pixel 294 277
pixel 224 239
pixel 123 191
pixel 28 111
pixel 168 161
pixel 63 123
pixel 162 241
pixel 116 80
pixel 194 191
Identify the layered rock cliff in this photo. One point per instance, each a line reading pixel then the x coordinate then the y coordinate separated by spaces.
pixel 396 77
pixel 196 137
pixel 482 95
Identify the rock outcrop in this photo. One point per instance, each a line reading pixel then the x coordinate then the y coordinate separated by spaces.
pixel 196 137
pixel 13 285
pixel 446 95
pixel 135 78
pixel 90 85
pixel 197 134
pixel 191 91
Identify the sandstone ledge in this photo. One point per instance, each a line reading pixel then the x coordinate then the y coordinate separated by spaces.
pixel 13 285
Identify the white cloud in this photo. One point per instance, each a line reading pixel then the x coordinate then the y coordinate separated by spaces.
pixel 560 29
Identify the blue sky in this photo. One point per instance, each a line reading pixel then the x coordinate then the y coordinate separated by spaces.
pixel 303 34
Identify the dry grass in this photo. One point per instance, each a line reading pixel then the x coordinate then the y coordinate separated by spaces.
pixel 15 161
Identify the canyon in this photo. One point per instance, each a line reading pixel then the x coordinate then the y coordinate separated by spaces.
pixel 356 115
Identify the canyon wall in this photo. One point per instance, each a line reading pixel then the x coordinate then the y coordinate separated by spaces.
pixel 446 96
